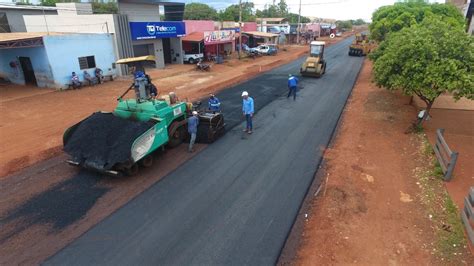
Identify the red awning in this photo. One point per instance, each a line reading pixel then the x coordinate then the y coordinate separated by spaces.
pixel 193 37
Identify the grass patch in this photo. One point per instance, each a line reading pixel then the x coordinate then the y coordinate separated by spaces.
pixel 450 243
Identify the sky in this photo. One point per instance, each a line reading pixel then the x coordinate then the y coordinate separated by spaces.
pixel 334 9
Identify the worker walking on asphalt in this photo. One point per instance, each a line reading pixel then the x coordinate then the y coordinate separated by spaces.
pixel 248 110
pixel 292 82
pixel 214 104
pixel 193 123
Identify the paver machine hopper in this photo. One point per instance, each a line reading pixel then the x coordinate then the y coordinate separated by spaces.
pixel 118 142
pixel 314 65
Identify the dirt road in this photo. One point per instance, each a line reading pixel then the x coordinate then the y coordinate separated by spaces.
pixel 235 202
pixel 370 209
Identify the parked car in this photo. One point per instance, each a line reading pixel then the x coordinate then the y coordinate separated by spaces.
pixel 193 58
pixel 266 49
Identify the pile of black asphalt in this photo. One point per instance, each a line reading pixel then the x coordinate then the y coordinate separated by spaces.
pixel 235 202
pixel 104 140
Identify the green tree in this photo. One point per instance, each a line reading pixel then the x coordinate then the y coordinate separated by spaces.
pixel 199 11
pixel 231 13
pixel 104 8
pixel 426 60
pixel 394 18
pixel 344 24
pixel 282 8
pixel 293 18
pixel 358 22
pixel 53 2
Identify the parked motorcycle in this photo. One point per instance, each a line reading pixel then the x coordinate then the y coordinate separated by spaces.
pixel 202 66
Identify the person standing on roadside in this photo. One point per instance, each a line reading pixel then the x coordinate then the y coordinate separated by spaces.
pixel 193 123
pixel 248 110
pixel 292 83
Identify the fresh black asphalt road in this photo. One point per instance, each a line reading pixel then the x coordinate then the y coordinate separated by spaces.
pixel 236 201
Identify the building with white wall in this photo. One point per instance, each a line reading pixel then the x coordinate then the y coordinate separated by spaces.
pixel 79 18
pixel 48 59
pixel 11 16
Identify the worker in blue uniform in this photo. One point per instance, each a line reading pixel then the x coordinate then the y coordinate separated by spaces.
pixel 214 104
pixel 292 83
pixel 248 110
pixel 193 123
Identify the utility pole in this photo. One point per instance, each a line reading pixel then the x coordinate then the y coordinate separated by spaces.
pixel 298 29
pixel 240 28
pixel 45 22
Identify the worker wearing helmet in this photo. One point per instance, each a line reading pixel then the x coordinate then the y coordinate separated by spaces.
pixel 248 110
pixel 292 82
pixel 214 104
pixel 193 123
pixel 140 83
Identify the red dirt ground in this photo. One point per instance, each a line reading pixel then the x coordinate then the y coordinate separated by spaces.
pixel 459 134
pixel 369 211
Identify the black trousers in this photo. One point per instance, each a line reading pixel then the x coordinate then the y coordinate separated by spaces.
pixel 292 90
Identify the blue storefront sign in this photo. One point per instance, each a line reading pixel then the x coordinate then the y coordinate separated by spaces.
pixel 157 30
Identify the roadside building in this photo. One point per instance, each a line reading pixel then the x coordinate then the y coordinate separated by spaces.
pixel 193 42
pixel 48 59
pixel 11 16
pixel 256 38
pixel 137 30
pixel 208 38
pixel 273 25
pixel 219 43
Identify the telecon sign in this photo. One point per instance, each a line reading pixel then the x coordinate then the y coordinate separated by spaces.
pixel 156 30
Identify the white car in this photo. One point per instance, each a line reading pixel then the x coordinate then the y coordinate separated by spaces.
pixel 193 58
pixel 266 49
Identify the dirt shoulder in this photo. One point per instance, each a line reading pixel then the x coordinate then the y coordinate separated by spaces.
pixel 373 207
pixel 33 120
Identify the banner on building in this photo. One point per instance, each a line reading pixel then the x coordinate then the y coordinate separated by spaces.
pixel 219 36
pixel 157 30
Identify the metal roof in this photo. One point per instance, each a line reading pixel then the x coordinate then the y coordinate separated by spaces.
pixel 260 34
pixel 18 36
pixel 271 19
pixel 193 37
